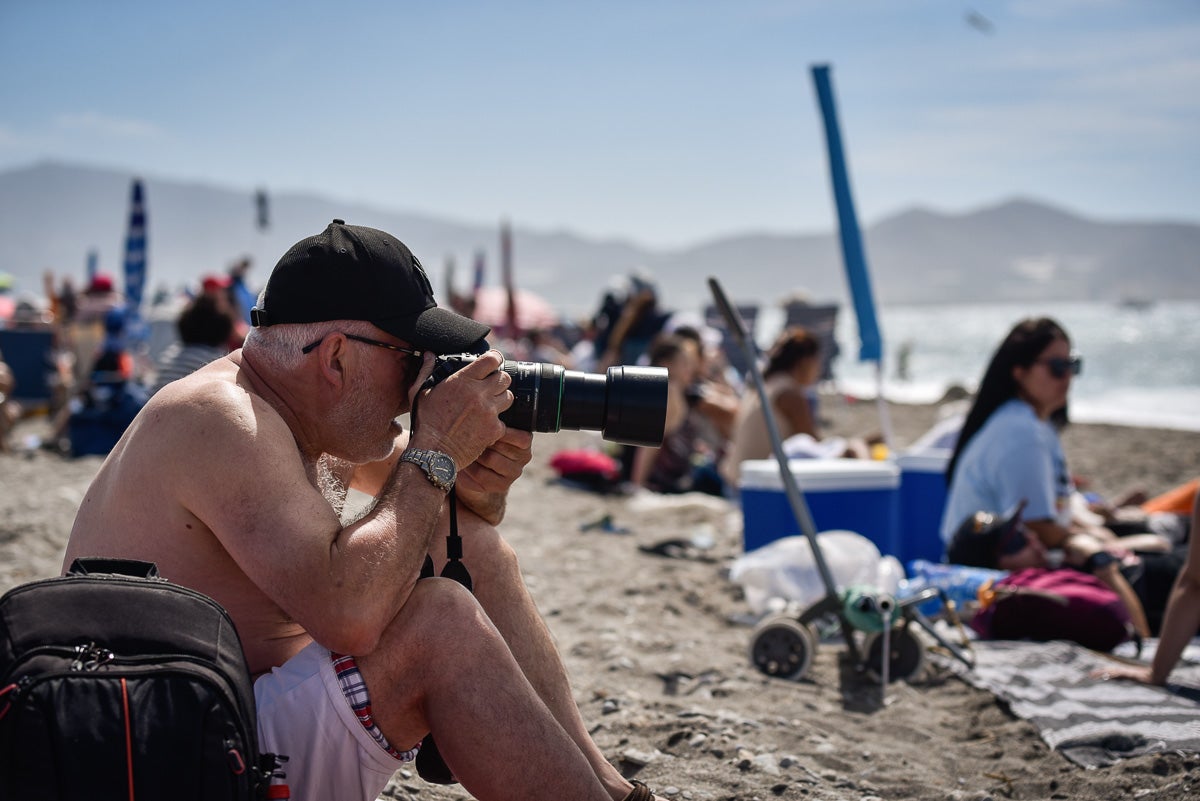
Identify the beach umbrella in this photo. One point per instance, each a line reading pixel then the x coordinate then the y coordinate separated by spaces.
pixel 496 306
pixel 135 261
pixel 853 255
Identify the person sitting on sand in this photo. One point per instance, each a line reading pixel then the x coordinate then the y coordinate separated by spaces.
pixel 669 468
pixel 204 326
pixel 10 410
pixel 234 478
pixel 793 368
pixel 1009 453
pixel 1180 623
pixel 1009 449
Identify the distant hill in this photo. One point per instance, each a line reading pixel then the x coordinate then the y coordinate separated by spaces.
pixel 52 215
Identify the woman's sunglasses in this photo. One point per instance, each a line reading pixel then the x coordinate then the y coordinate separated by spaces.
pixel 1060 367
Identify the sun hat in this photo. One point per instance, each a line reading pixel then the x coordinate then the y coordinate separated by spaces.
pixel 350 272
pixel 977 538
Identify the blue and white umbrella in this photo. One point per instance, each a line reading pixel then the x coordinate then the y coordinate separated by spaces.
pixel 135 263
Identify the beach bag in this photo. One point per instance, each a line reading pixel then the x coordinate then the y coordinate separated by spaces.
pixel 1060 604
pixel 118 684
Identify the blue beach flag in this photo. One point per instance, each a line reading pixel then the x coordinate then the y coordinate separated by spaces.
pixel 857 274
pixel 135 262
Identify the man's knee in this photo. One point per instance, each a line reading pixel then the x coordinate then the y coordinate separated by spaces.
pixel 438 617
pixel 485 553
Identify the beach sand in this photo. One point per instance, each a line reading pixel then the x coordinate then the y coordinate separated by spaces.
pixel 660 668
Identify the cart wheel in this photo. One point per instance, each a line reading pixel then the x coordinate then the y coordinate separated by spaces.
pixel 906 659
pixel 782 647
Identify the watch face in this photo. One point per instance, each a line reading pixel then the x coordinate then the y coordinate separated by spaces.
pixel 443 466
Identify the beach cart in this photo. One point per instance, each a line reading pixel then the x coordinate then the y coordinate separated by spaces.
pixel 879 630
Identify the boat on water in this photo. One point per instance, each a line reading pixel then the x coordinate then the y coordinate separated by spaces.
pixel 1135 303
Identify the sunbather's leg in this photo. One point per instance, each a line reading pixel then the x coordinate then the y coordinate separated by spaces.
pixel 442 666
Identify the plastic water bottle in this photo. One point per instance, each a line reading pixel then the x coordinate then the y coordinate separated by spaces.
pixel 960 583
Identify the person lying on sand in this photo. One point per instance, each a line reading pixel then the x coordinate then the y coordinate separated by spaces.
pixel 234 478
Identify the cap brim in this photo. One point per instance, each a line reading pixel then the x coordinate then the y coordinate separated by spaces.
pixel 439 330
pixel 978 548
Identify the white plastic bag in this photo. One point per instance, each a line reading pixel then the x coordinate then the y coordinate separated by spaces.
pixel 786 569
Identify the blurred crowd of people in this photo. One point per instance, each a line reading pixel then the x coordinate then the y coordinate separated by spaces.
pixel 96 361
pixel 105 363
pixel 714 420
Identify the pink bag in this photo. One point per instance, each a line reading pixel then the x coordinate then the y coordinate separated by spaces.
pixel 1060 604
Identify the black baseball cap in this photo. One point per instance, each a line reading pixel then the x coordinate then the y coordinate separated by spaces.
pixel 350 272
pixel 977 539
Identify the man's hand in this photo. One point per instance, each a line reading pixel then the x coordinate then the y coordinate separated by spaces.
pixel 461 415
pixel 483 485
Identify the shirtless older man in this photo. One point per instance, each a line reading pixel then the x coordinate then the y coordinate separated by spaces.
pixel 233 481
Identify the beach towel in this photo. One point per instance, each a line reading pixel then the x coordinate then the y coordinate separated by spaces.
pixel 1093 723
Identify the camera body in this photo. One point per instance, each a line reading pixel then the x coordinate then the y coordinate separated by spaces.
pixel 628 404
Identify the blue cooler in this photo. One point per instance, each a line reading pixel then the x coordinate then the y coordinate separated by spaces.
pixel 857 495
pixel 922 502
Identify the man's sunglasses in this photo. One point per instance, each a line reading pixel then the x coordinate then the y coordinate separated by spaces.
pixel 309 347
pixel 1060 367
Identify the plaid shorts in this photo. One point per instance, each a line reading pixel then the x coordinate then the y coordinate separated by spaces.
pixel 355 689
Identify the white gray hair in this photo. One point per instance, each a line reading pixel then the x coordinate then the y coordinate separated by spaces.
pixel 281 346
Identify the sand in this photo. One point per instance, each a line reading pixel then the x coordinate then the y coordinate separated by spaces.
pixel 660 667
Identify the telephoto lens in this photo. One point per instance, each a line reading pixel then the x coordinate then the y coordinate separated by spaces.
pixel 627 404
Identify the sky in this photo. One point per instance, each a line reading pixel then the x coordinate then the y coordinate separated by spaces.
pixel 662 122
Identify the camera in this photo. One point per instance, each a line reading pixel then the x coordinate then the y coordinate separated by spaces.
pixel 628 404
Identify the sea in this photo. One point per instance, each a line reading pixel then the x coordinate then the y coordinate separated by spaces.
pixel 1141 363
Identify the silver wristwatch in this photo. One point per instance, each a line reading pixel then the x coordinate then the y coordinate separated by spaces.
pixel 439 468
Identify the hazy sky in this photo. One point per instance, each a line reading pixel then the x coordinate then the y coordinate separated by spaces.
pixel 662 121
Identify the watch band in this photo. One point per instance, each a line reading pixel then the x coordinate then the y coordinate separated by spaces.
pixel 438 467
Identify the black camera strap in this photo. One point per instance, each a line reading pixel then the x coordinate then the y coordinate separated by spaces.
pixel 454 568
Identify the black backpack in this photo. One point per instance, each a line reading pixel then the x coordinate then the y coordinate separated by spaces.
pixel 118 684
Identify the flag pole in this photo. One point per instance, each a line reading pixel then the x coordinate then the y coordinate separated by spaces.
pixel 853 255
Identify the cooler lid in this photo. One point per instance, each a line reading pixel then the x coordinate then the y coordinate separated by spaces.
pixel 821 475
pixel 933 460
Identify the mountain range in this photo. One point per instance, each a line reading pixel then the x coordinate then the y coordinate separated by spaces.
pixel 52 215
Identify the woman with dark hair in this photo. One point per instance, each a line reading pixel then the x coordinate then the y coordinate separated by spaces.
pixel 1009 454
pixel 1008 449
pixel 793 367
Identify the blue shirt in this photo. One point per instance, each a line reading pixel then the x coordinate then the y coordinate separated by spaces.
pixel 1015 456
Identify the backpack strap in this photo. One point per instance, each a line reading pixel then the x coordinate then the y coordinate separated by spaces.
pixel 87 565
